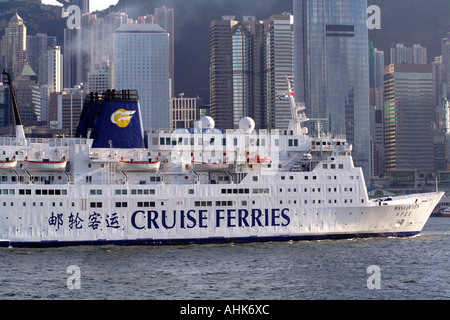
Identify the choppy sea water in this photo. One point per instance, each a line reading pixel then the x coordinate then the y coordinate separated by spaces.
pixel 405 269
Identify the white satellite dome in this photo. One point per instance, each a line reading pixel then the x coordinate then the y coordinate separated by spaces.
pixel 247 124
pixel 207 122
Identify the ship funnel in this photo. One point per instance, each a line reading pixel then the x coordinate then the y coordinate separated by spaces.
pixel 118 122
pixel 88 114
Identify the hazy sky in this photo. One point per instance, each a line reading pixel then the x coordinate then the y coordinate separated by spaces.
pixel 94 4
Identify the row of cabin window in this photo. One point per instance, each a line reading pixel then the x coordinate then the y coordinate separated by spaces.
pixel 218 203
pixel 38 192
pixel 350 189
pixel 135 191
pixel 33 179
pixel 33 204
pixel 165 141
pixel 245 191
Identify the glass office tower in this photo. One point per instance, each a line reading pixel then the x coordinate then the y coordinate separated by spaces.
pixel 332 69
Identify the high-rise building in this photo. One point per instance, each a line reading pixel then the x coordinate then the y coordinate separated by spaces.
pixel 99 80
pixel 164 17
pixel 249 60
pixel 141 62
pixel 420 54
pixel 69 107
pixel 279 63
pixel 221 71
pixel 439 88
pixel 446 61
pixel 14 46
pixel 376 80
pixel 6 117
pixel 332 69
pixel 45 103
pixel 72 57
pixel 248 69
pixel 416 54
pixel 408 117
pixel 37 46
pixel 52 63
pixel 28 94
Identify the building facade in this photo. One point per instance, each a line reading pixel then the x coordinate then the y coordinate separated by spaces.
pixel 141 62
pixel 185 111
pixel 400 54
pixel 332 70
pixel 28 95
pixel 409 114
pixel 99 80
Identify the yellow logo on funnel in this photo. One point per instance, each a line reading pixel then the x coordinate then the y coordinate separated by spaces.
pixel 122 117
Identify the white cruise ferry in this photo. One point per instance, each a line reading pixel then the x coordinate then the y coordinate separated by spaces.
pixel 113 184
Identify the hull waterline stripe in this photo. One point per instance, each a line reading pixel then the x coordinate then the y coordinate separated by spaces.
pixel 137 242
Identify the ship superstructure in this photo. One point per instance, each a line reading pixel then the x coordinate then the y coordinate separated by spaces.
pixel 115 184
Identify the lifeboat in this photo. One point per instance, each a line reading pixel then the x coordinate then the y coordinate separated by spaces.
pixel 131 165
pixel 201 166
pixel 45 165
pixel 8 164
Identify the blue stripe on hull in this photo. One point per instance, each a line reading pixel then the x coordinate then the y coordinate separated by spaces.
pixel 5 243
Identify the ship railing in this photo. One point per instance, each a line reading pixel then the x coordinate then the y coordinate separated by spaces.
pixel 52 142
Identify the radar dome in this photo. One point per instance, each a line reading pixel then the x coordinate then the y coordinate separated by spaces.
pixel 247 124
pixel 207 122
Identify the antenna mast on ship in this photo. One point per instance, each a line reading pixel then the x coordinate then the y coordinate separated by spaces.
pixel 298 115
pixel 20 133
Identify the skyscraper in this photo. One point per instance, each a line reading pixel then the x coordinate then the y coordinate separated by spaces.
pixel 279 63
pixel 141 62
pixel 164 17
pixel 249 60
pixel 332 69
pixel 14 45
pixel 72 58
pixel 221 71
pixel 408 114
pixel 52 69
pixel 376 80
pixel 446 61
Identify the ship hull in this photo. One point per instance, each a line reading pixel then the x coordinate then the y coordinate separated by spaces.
pixel 220 240
pixel 104 219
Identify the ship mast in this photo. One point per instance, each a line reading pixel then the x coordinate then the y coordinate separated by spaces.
pixel 20 133
pixel 298 115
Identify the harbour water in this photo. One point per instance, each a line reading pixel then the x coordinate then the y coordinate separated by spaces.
pixel 407 269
